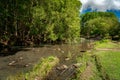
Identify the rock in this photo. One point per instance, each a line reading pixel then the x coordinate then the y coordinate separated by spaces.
pixel 11 63
pixel 58 68
pixel 62 52
pixel 59 49
pixel 77 65
pixel 26 65
pixel 63 67
pixel 21 58
pixel 66 59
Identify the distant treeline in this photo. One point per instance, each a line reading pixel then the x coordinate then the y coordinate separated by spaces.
pixel 24 22
pixel 100 25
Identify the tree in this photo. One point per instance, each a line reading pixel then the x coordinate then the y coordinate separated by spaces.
pixel 57 20
pixel 100 24
pixel 39 21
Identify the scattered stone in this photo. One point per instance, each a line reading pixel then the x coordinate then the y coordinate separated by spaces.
pixel 59 49
pixel 66 59
pixel 21 58
pixel 77 65
pixel 63 67
pixel 11 63
pixel 26 65
pixel 62 52
pixel 58 68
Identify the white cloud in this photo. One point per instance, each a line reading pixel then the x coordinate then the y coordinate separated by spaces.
pixel 100 5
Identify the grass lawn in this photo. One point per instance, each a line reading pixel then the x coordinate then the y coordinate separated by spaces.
pixel 107 66
pixel 109 59
pixel 107 44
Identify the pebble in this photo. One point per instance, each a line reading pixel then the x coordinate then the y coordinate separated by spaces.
pixel 63 67
pixel 26 65
pixel 59 49
pixel 11 63
pixel 77 65
pixel 21 58
pixel 66 59
pixel 62 52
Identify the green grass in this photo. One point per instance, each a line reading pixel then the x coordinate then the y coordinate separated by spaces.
pixel 110 61
pixel 87 61
pixel 39 71
pixel 107 66
pixel 106 44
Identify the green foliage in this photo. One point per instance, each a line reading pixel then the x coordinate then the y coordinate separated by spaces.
pixel 62 20
pixel 115 33
pixel 92 15
pixel 45 20
pixel 99 24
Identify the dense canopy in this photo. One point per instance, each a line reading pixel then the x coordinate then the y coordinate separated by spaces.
pixel 39 21
pixel 100 24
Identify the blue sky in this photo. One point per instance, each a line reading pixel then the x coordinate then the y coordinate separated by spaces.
pixel 101 5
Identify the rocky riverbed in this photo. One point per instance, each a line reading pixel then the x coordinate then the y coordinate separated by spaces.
pixel 24 59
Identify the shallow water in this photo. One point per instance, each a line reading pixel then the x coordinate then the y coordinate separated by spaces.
pixel 24 60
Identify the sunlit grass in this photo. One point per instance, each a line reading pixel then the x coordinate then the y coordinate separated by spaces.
pixel 39 71
pixel 106 44
pixel 110 61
